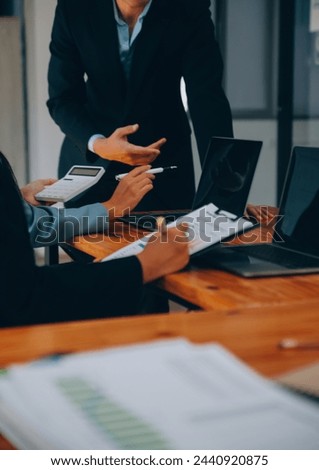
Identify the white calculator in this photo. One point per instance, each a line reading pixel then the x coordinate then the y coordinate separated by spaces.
pixel 78 179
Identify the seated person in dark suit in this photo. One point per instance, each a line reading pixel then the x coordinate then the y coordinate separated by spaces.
pixel 30 294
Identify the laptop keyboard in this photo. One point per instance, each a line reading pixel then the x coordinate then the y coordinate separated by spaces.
pixel 277 255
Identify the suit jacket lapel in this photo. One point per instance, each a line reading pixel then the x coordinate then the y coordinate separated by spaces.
pixel 147 42
pixel 104 28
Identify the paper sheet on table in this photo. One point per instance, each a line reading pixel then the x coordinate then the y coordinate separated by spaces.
pixel 207 226
pixel 163 395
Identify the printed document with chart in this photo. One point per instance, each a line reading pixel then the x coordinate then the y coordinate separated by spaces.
pixel 161 395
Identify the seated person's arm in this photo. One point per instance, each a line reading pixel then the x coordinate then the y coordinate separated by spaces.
pixel 50 225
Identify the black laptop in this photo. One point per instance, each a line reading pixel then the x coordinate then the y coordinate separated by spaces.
pixel 226 178
pixel 295 245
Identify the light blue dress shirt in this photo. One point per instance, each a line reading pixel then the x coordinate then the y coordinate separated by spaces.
pixel 126 48
pixel 50 225
pixel 126 41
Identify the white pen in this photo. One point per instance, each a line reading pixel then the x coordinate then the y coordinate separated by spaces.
pixel 153 171
pixel 161 225
pixel 291 343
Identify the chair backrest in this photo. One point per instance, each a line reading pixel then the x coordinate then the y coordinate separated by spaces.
pixel 17 258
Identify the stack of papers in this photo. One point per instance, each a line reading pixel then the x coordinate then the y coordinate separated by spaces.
pixel 162 395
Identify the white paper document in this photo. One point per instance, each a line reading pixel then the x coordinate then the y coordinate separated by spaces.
pixel 206 227
pixel 162 395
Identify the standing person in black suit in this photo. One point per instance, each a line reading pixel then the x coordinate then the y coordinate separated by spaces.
pixel 114 90
pixel 31 294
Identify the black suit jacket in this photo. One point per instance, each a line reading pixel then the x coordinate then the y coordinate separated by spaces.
pixel 31 294
pixel 177 40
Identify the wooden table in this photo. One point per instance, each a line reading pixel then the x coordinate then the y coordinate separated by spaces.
pixel 211 289
pixel 252 334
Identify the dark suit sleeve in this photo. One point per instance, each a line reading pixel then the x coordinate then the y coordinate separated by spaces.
pixel 31 294
pixel 202 71
pixel 66 78
pixel 76 292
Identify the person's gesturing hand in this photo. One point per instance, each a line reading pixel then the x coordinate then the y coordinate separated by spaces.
pixel 30 190
pixel 117 147
pixel 130 190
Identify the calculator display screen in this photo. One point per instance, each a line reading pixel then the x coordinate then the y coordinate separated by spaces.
pixel 78 171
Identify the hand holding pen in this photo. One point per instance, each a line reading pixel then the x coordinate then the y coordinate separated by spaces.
pixel 164 255
pixel 182 233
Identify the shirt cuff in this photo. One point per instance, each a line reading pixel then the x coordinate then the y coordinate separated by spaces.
pixel 92 139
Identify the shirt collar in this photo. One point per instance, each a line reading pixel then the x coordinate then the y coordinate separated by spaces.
pixel 121 22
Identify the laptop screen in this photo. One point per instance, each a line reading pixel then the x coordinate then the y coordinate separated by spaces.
pixel 299 226
pixel 227 174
